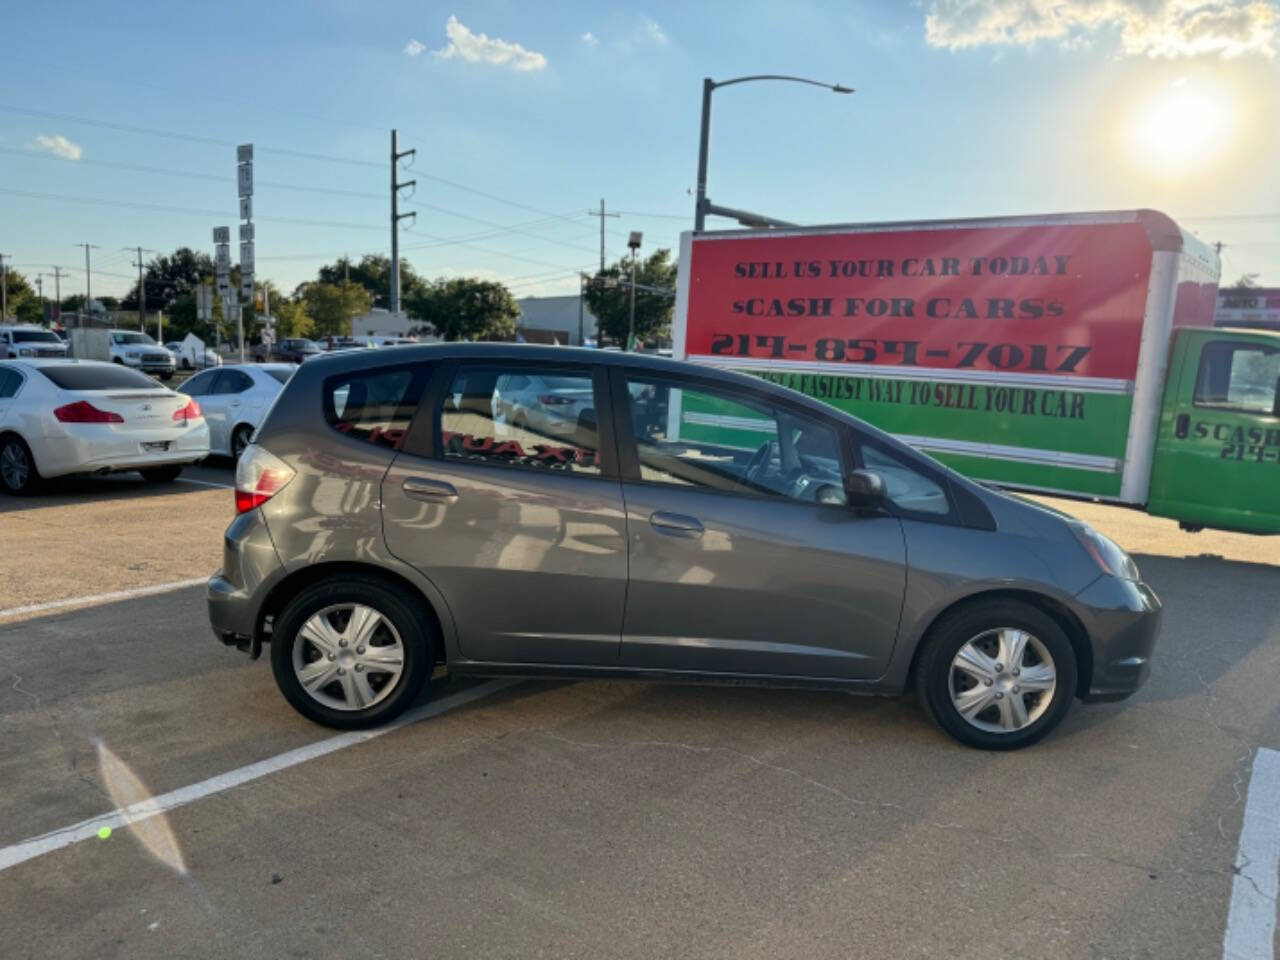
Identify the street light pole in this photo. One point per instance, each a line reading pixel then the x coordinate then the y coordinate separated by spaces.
pixel 633 241
pixel 703 206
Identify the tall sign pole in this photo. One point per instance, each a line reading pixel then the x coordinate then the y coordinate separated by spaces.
pixel 244 180
pixel 222 271
pixel 397 216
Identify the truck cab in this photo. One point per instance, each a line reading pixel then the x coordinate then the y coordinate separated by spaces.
pixel 1217 458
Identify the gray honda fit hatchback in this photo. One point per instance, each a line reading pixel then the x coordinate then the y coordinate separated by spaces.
pixel 685 523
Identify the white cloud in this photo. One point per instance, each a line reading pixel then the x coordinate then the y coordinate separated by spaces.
pixel 655 32
pixel 59 146
pixel 413 48
pixel 590 39
pixel 477 47
pixel 1154 28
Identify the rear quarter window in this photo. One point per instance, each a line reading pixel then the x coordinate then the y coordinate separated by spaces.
pixel 97 377
pixel 376 406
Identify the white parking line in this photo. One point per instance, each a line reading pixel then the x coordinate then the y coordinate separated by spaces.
pixel 103 597
pixel 1251 920
pixel 66 836
pixel 205 483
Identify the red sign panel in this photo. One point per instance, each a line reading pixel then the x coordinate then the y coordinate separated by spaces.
pixel 1051 299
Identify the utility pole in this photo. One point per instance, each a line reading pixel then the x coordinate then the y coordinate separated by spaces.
pixel 56 313
pixel 633 242
pixel 142 288
pixel 40 293
pixel 601 214
pixel 397 216
pixel 4 290
pixel 88 287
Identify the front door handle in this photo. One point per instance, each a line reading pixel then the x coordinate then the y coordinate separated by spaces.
pixel 423 488
pixel 675 524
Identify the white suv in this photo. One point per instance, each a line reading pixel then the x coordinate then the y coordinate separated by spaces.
pixel 30 341
pixel 139 351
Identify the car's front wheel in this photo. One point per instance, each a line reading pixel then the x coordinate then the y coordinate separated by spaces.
pixel 997 674
pixel 351 652
pixel 18 470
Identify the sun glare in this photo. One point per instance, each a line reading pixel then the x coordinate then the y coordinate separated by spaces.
pixel 1182 129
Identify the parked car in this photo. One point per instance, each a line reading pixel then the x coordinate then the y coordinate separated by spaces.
pixel 332 344
pixel 66 416
pixel 179 351
pixel 132 348
pixel 545 403
pixel 21 340
pixel 234 399
pixel 697 524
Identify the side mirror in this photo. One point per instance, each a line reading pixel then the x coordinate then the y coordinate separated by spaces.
pixel 864 489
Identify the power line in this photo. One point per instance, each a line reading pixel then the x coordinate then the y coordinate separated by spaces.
pixel 490 223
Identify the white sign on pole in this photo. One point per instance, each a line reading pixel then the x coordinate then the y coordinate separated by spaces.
pixel 246 256
pixel 244 176
pixel 224 286
pixel 221 234
pixel 246 286
pixel 246 208
pixel 204 302
pixel 246 232
pixel 222 257
pixel 244 153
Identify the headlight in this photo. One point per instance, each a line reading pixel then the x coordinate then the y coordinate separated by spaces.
pixel 1108 554
pixel 26 352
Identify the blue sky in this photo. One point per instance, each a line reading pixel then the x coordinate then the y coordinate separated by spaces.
pixel 962 109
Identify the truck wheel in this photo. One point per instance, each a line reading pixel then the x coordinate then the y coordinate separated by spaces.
pixel 997 674
pixel 167 376
pixel 351 652
pixel 160 474
pixel 18 470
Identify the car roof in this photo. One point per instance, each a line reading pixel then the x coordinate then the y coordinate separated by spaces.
pixel 264 367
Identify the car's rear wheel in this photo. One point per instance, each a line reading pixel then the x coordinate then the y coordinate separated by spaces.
pixel 997 675
pixel 160 474
pixel 351 652
pixel 18 470
pixel 240 439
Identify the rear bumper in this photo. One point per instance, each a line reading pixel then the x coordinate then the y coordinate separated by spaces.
pixel 98 449
pixel 1123 620
pixel 235 594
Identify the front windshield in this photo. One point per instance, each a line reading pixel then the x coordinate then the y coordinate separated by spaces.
pixel 125 338
pixel 35 336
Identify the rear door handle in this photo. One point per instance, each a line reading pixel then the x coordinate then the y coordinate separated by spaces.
pixel 422 488
pixel 675 524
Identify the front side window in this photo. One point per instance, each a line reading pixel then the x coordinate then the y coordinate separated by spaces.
pixel 906 487
pixel 697 436
pixel 548 423
pixel 1239 376
pixel 374 405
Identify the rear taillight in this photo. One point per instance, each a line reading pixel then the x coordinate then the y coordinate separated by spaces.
pixel 551 400
pixel 190 412
pixel 259 477
pixel 82 411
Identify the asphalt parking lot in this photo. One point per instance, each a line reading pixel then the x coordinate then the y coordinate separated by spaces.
pixel 601 819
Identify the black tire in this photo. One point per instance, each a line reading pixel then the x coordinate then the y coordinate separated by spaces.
pixel 404 612
pixel 160 474
pixel 14 454
pixel 933 672
pixel 118 360
pixel 240 439
pixel 167 376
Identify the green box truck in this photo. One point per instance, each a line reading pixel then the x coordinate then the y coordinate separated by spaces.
pixel 1068 354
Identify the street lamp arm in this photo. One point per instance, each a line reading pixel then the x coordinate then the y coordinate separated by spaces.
pixel 835 87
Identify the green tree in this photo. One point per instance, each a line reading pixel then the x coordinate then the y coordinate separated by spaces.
pixel 465 308
pixel 291 318
pixel 171 277
pixel 612 305
pixel 373 272
pixel 332 305
pixel 23 304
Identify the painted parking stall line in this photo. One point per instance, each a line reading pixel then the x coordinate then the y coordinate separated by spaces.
pixel 97 598
pixel 1251 919
pixel 204 483
pixel 46 843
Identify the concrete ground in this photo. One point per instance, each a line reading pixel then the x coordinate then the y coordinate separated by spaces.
pixel 598 819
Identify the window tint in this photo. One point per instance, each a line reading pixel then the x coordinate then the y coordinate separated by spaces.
pixel 734 442
pixel 1238 376
pixel 199 385
pixel 906 487
pixel 374 405
pixel 35 336
pixel 281 375
pixel 232 381
pixel 99 376
pixel 9 383
pixel 552 430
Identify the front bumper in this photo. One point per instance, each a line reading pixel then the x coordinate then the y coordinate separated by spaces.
pixel 1123 620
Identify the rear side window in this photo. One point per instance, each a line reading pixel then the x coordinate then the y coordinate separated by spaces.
pixel 10 381
pixel 106 376
pixel 281 375
pixel 374 405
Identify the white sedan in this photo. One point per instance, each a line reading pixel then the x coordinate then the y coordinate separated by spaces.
pixel 60 417
pixel 235 397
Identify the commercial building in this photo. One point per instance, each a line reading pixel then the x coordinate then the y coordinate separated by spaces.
pixel 1251 307
pixel 555 320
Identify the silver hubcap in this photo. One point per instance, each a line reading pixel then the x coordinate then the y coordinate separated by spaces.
pixel 348 657
pixel 1002 680
pixel 14 466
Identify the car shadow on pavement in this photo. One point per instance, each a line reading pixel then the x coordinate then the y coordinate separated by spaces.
pixel 68 491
